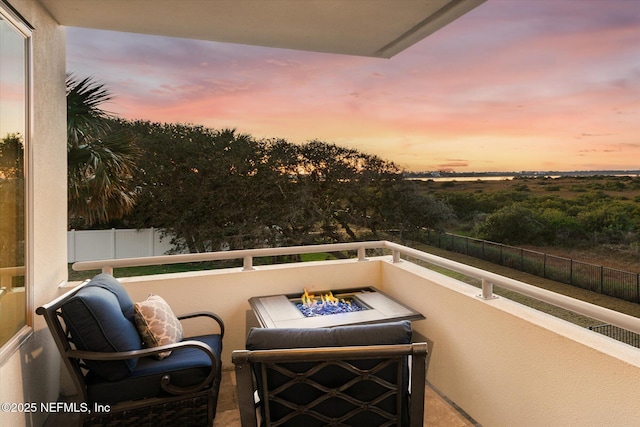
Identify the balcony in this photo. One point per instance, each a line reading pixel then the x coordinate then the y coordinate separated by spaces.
pixel 501 362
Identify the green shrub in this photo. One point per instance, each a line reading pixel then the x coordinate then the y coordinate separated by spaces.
pixel 513 224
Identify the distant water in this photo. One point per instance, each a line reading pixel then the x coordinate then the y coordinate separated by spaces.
pixel 464 178
pixel 508 177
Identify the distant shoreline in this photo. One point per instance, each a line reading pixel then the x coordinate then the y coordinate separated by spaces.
pixel 493 176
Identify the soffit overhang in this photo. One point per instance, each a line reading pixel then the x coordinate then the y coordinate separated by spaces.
pixel 373 28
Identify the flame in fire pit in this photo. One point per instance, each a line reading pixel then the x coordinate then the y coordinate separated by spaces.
pixel 326 304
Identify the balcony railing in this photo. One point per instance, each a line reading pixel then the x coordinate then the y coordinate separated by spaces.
pixel 502 362
pixel 488 279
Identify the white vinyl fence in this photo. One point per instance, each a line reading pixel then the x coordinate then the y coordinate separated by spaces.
pixel 90 245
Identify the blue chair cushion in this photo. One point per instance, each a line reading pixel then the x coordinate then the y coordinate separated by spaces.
pixel 110 283
pixel 97 323
pixel 333 377
pixel 186 367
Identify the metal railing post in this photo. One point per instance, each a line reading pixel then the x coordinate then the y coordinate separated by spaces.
pixel 247 265
pixel 396 256
pixel 362 255
pixel 487 290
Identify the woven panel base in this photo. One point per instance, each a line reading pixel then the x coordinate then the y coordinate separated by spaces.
pixel 192 411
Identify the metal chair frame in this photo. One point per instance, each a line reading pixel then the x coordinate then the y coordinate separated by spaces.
pixel 250 364
pixel 200 398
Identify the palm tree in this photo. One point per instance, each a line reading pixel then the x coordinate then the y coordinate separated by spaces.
pixel 100 155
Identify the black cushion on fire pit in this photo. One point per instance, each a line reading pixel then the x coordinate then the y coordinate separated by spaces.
pixel 333 376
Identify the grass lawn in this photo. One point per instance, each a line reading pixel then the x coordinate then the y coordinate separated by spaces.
pixel 181 268
pixel 145 271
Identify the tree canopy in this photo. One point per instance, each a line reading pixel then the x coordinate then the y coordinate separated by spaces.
pixel 214 189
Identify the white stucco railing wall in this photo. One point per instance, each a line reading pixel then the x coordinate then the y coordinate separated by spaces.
pixel 89 245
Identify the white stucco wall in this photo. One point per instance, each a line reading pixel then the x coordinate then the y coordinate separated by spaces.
pixel 32 373
pixel 506 364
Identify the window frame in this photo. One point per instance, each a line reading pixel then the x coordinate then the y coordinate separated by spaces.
pixel 22 27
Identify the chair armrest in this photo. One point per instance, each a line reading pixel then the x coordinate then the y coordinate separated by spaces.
pixel 166 379
pixel 209 314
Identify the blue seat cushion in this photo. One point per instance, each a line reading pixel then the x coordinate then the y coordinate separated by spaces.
pixel 97 323
pixel 186 367
pixel 334 377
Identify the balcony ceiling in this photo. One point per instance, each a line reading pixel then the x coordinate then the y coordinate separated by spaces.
pixel 375 28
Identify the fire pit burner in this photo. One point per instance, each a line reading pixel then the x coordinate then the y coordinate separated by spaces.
pixel 281 311
pixel 327 304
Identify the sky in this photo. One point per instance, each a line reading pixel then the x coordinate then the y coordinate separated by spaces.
pixel 513 85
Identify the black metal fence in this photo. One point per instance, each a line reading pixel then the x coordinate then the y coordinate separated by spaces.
pixel 624 285
pixel 617 333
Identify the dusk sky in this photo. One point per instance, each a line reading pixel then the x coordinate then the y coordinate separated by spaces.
pixel 513 85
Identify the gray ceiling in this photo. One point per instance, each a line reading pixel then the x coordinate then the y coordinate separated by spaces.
pixel 376 28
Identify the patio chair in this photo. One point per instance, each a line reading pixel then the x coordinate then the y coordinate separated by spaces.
pixel 366 375
pixel 119 380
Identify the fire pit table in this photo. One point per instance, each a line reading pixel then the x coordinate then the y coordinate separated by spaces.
pixel 330 308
